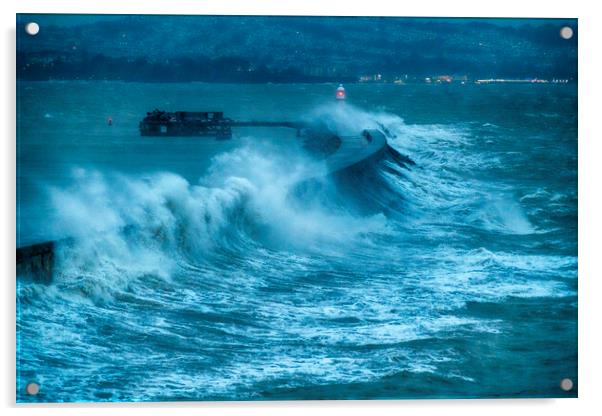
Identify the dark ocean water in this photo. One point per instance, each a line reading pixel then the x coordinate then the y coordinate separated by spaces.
pixel 454 278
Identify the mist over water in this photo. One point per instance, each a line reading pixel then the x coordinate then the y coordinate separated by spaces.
pixel 213 271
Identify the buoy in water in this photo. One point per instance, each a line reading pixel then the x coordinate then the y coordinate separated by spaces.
pixel 341 94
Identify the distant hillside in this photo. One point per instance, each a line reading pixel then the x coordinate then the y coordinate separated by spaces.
pixel 256 48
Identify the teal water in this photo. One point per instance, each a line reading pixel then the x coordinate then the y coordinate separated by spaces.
pixel 200 272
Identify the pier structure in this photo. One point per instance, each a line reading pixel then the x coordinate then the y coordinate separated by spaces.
pixel 36 261
pixel 202 124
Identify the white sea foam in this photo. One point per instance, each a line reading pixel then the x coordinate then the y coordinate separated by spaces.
pixel 124 226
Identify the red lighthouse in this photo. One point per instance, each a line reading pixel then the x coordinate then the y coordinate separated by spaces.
pixel 341 94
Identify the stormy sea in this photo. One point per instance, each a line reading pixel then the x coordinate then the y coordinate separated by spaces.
pixel 199 269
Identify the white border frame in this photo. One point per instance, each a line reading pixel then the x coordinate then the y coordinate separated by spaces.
pixel 590 212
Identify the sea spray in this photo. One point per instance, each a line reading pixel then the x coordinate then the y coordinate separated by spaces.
pixel 121 226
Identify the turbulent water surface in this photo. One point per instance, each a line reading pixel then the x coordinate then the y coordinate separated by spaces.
pixel 204 270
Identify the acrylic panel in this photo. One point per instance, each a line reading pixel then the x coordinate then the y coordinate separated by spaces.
pixel 295 208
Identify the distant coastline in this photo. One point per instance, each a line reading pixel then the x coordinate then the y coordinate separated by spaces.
pixel 262 49
pixel 54 66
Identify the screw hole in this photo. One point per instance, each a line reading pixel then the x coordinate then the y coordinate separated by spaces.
pixel 566 32
pixel 566 384
pixel 32 388
pixel 32 28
